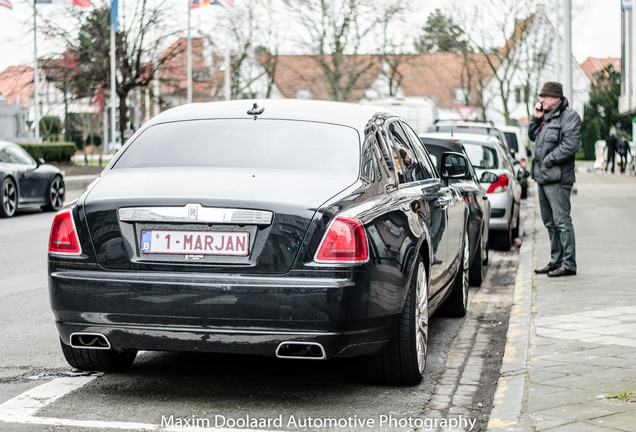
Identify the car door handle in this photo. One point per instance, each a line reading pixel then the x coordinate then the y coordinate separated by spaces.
pixel 443 202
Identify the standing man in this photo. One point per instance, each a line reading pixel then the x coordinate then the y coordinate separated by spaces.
pixel 555 129
pixel 610 145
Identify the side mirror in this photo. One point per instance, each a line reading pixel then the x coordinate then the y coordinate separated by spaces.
pixel 488 177
pixel 454 166
pixel 523 174
pixel 39 162
pixel 516 162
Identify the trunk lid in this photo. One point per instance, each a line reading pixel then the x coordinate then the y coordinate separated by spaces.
pixel 223 219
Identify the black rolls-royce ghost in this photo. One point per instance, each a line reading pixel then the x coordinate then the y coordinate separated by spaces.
pixel 25 182
pixel 296 229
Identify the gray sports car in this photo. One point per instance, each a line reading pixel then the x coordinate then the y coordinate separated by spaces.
pixel 25 182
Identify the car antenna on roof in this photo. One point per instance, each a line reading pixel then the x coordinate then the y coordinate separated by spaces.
pixel 255 111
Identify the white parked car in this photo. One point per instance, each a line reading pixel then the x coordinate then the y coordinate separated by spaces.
pixel 494 167
pixel 517 145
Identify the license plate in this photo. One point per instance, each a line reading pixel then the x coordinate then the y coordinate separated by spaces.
pixel 195 242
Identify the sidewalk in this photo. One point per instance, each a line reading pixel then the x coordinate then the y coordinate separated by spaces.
pixel 570 362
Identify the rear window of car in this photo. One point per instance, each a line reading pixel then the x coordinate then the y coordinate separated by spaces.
pixel 511 138
pixel 238 143
pixel 481 156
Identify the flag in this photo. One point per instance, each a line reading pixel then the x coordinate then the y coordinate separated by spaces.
pixel 80 3
pixel 6 3
pixel 200 3
pixel 225 3
pixel 114 19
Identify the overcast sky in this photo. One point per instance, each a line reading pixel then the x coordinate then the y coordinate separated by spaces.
pixel 596 29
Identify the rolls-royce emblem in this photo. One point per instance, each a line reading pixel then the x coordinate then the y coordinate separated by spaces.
pixel 193 211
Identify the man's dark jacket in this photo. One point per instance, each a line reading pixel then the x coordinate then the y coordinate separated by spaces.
pixel 557 138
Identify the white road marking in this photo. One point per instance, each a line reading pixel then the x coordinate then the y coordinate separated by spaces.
pixel 22 409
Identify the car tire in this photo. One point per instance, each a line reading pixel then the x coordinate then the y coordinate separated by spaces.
pixel 403 360
pixel 515 231
pixel 457 302
pixel 8 198
pixel 502 240
pixel 478 267
pixel 55 197
pixel 98 360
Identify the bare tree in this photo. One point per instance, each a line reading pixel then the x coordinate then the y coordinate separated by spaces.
pixel 140 38
pixel 392 51
pixel 501 30
pixel 255 32
pixel 334 34
pixel 534 58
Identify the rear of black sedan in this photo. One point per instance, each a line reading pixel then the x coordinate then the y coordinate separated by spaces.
pixel 221 231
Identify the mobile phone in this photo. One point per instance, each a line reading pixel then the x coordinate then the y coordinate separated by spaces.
pixel 541 107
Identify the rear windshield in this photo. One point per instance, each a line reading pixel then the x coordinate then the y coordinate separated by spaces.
pixel 481 156
pixel 246 143
pixel 511 137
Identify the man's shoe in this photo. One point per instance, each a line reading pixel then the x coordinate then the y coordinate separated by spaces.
pixel 547 269
pixel 561 271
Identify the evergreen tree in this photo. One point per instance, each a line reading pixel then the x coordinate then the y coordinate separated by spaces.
pixel 441 34
pixel 601 111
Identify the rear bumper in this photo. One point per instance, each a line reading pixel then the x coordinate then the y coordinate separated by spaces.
pixel 500 204
pixel 345 313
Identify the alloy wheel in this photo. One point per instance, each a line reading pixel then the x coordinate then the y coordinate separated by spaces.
pixel 466 269
pixel 421 317
pixel 57 193
pixel 9 198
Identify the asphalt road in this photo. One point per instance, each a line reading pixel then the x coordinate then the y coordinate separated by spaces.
pixel 177 391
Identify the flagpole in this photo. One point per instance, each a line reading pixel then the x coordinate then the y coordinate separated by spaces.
pixel 113 78
pixel 36 78
pixel 228 94
pixel 189 67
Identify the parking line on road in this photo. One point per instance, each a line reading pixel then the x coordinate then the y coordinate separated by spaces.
pixel 22 409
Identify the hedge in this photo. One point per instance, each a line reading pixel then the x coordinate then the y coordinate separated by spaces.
pixel 51 152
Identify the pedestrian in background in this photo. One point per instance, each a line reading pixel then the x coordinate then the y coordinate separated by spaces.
pixel 610 147
pixel 555 129
pixel 622 148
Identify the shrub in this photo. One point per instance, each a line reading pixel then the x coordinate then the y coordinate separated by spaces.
pixel 51 152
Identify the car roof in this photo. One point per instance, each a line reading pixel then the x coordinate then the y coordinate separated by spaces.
pixel 440 142
pixel 507 128
pixel 342 113
pixel 464 138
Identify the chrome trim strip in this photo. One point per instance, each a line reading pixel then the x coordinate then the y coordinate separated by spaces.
pixel 210 330
pixel 194 213
pixel 206 280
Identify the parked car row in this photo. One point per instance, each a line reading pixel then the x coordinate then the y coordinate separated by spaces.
pixel 501 166
pixel 295 229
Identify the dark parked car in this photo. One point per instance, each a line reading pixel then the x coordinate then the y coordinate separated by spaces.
pixel 25 182
pixel 302 230
pixel 478 203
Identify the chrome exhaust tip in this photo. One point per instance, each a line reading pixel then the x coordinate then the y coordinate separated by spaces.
pixel 90 341
pixel 301 351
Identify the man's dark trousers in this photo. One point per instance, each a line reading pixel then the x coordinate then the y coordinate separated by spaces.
pixel 554 201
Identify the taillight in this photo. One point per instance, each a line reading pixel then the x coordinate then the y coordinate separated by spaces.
pixel 63 238
pixel 344 242
pixel 524 163
pixel 501 185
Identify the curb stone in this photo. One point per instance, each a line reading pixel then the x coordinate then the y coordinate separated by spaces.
pixel 509 396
